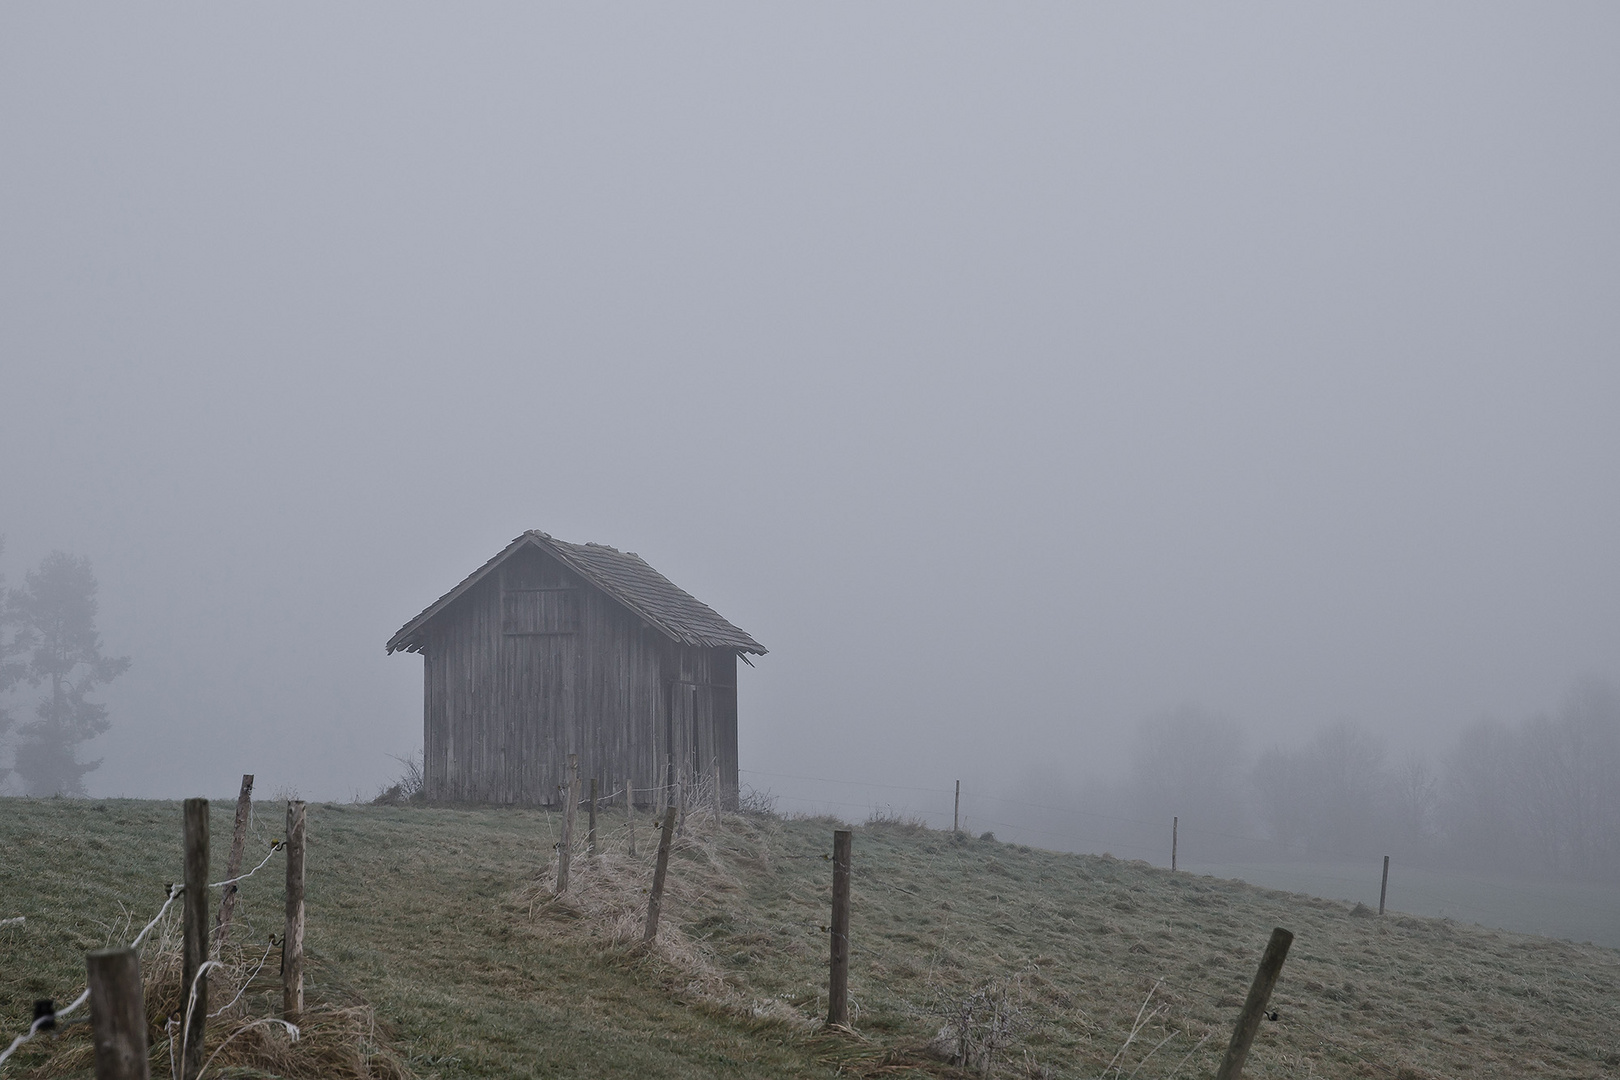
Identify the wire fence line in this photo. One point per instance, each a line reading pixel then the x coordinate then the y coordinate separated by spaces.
pixel 51 1017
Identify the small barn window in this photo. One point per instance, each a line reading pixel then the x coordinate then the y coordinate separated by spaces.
pixel 540 611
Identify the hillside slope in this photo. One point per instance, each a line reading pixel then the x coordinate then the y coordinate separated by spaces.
pixel 444 922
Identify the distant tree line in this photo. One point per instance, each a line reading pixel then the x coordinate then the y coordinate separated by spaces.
pixel 1540 796
pixel 50 663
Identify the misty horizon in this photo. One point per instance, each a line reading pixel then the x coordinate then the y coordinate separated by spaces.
pixel 1014 377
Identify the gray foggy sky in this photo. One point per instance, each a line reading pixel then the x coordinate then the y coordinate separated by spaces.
pixel 1011 372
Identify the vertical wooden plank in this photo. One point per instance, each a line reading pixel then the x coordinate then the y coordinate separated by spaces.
pixel 233 864
pixel 194 939
pixel 838 974
pixel 117 1014
pixel 1255 1007
pixel 292 938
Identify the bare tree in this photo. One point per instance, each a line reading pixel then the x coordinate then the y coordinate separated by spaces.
pixel 1190 763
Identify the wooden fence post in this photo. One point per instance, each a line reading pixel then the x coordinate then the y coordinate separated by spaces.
pixel 655 901
pixel 630 815
pixel 590 831
pixel 680 802
pixel 956 814
pixel 565 848
pixel 292 938
pixel 838 975
pixel 1175 827
pixel 117 1014
pixel 1384 888
pixel 233 864
pixel 194 939
pixel 1255 1007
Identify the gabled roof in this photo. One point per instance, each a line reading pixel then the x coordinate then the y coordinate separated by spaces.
pixel 624 576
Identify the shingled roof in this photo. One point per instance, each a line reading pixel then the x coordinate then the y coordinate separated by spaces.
pixel 623 575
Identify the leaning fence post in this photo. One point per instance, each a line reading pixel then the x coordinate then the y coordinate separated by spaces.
pixel 1384 888
pixel 1255 1007
pixel 233 864
pixel 655 901
pixel 1175 827
pixel 565 848
pixel 590 832
pixel 117 1014
pixel 194 939
pixel 956 814
pixel 292 938
pixel 630 815
pixel 838 975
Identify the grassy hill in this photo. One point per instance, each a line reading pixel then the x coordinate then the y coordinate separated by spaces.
pixel 437 950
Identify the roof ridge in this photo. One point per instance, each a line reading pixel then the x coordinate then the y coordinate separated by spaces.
pixel 636 585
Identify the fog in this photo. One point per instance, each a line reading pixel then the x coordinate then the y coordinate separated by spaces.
pixel 1014 374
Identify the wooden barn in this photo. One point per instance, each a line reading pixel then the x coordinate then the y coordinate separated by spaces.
pixel 551 649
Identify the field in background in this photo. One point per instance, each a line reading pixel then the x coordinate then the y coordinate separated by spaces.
pixel 1578 911
pixel 443 922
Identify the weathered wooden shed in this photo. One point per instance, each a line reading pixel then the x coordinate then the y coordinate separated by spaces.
pixel 551 649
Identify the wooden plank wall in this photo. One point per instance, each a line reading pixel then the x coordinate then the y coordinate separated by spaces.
pixel 532 664
pixel 462 714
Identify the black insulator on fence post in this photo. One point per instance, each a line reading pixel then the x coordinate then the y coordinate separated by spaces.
pixel 117 1014
pixel 1254 1009
pixel 292 940
pixel 655 900
pixel 1383 889
pixel 590 833
pixel 194 939
pixel 233 864
pixel 838 974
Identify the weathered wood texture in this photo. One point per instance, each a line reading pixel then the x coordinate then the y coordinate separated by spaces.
pixel 533 663
pixel 117 1014
pixel 194 939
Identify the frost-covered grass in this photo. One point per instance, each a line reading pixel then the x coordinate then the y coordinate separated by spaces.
pixel 442 922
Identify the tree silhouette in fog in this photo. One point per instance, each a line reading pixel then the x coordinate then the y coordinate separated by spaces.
pixel 55 616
